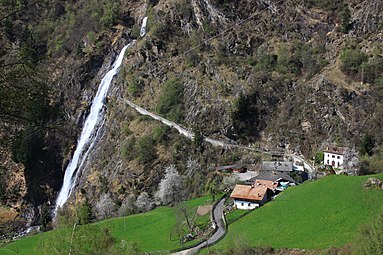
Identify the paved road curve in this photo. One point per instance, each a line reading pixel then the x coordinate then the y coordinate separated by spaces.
pixel 218 234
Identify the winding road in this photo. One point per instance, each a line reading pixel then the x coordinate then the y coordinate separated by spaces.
pixel 218 216
pixel 220 230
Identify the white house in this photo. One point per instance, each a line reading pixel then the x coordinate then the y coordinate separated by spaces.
pixel 334 156
pixel 248 197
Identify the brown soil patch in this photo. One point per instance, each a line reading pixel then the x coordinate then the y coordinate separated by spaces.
pixel 204 209
pixel 6 215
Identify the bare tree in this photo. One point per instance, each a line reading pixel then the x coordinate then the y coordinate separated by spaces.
pixel 143 202
pixel 187 215
pixel 351 160
pixel 170 188
pixel 128 206
pixel 192 166
pixel 228 182
pixel 105 207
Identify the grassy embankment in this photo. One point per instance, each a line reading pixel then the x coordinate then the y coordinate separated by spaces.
pixel 315 215
pixel 151 231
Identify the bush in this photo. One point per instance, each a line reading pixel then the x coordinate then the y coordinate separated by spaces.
pixel 352 60
pixel 127 148
pixel 170 103
pixel 127 206
pixel 105 207
pixel 367 145
pixel 145 149
pixel 134 87
pixel 159 134
pixel 319 156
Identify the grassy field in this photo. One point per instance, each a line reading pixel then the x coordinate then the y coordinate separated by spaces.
pixel 315 215
pixel 151 231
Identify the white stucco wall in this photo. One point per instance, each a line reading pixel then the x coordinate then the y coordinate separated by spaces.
pixel 245 205
pixel 334 160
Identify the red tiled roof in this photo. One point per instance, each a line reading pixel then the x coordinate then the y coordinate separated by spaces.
pixel 247 192
pixel 335 150
pixel 265 183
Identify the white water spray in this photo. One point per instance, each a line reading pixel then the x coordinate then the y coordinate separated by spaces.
pixel 89 133
pixel 143 27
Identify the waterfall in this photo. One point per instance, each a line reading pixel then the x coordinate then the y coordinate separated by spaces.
pixel 91 128
pixel 143 27
pixel 89 132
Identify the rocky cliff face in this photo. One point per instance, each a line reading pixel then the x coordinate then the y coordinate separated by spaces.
pixel 277 74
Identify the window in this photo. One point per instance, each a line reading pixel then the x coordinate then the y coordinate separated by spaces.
pixel 338 157
pixel 328 162
pixel 242 204
pixel 333 156
pixel 249 205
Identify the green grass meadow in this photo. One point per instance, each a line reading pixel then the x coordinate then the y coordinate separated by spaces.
pixel 151 231
pixel 314 215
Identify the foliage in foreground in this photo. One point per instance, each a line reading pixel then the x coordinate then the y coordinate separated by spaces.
pixel 159 229
pixel 370 240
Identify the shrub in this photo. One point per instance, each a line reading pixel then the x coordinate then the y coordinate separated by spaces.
pixel 159 134
pixel 143 202
pixel 352 60
pixel 127 148
pixel 135 31
pixel 367 145
pixel 346 18
pixel 105 207
pixel 319 156
pixel 145 149
pixel 170 103
pixel 127 206
pixel 125 131
pixel 266 62
pixel 133 86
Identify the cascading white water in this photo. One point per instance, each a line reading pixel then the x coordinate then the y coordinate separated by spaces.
pixel 89 132
pixel 91 128
pixel 143 27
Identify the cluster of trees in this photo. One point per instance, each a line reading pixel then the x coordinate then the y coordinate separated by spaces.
pixel 143 148
pixel 170 103
pixel 362 67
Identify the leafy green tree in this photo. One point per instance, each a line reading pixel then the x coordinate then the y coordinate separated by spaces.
pixel 45 217
pixel 198 140
pixel 319 156
pixel 346 17
pixel 352 60
pixel 170 103
pixel 83 213
pixel 246 116
pixel 211 188
pixel 145 149
pixel 367 145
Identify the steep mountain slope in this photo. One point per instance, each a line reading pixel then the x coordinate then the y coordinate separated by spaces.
pixel 291 75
